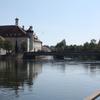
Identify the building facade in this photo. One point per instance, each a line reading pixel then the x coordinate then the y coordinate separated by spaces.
pixel 19 37
pixel 33 43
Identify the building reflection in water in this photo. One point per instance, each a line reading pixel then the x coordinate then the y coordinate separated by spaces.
pixel 14 75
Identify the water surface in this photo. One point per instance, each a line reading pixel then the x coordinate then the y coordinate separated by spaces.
pixel 48 80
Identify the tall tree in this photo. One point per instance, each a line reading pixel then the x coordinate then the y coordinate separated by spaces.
pixel 61 45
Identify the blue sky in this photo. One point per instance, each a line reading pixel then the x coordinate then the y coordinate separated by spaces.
pixel 77 21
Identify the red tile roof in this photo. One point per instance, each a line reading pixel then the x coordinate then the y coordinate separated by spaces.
pixel 12 31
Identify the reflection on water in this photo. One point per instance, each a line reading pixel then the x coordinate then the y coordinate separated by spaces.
pixel 14 75
pixel 92 68
pixel 54 80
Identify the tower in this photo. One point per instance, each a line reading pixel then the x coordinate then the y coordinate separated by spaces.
pixel 16 21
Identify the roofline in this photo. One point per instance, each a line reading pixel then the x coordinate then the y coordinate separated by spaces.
pixel 38 41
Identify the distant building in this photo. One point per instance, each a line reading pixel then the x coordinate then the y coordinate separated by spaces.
pixel 18 36
pixel 46 48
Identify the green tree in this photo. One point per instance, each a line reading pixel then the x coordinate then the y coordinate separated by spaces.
pixel 7 46
pixel 98 46
pixel 93 41
pixel 1 42
pixel 61 45
pixel 86 46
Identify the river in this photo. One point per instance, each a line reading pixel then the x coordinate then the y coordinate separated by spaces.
pixel 48 80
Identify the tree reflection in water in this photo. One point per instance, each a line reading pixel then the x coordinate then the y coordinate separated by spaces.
pixel 92 68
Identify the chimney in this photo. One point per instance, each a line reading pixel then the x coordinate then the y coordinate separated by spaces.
pixel 31 28
pixel 23 27
pixel 16 21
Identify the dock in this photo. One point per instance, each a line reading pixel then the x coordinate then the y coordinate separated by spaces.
pixel 94 96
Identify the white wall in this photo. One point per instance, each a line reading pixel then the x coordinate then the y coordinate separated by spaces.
pixel 37 46
pixel 31 44
pixel 2 51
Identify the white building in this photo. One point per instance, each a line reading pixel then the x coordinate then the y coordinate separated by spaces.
pixel 33 43
pixel 18 35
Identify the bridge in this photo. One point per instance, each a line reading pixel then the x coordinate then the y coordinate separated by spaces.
pixel 30 55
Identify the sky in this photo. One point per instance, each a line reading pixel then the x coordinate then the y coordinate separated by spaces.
pixel 76 21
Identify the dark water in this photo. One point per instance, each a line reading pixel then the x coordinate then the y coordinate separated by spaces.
pixel 49 80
